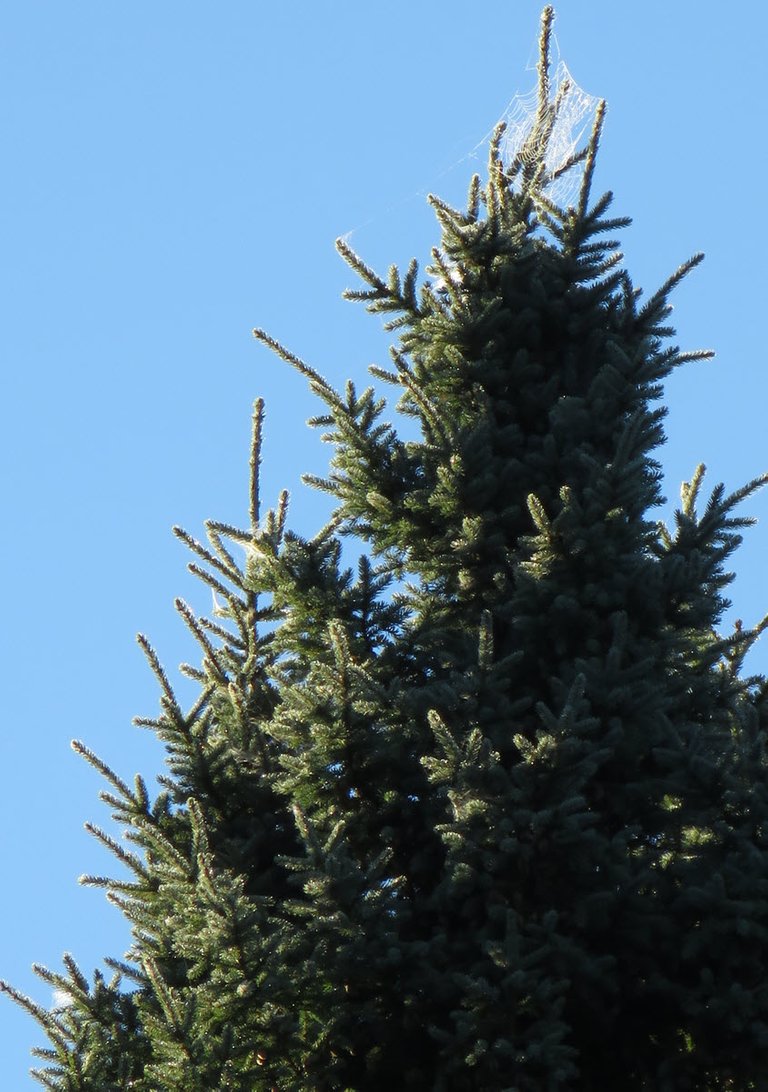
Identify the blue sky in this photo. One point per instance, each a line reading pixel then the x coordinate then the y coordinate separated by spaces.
pixel 175 174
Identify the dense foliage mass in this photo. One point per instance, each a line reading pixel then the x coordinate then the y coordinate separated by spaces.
pixel 489 812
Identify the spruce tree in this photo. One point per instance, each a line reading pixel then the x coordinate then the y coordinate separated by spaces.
pixel 488 809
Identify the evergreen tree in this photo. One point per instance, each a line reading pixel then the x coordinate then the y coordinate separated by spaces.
pixel 490 811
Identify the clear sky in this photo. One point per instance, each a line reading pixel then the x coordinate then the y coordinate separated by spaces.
pixel 175 174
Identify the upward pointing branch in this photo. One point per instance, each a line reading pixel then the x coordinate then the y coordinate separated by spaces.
pixel 547 20
pixel 255 463
pixel 295 362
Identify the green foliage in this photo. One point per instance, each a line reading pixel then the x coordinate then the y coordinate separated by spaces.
pixel 491 811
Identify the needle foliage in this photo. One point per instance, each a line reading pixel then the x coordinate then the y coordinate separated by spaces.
pixel 488 810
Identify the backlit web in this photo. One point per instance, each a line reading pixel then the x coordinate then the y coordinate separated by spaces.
pixel 524 141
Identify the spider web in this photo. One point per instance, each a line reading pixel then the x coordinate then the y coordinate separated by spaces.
pixel 575 116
